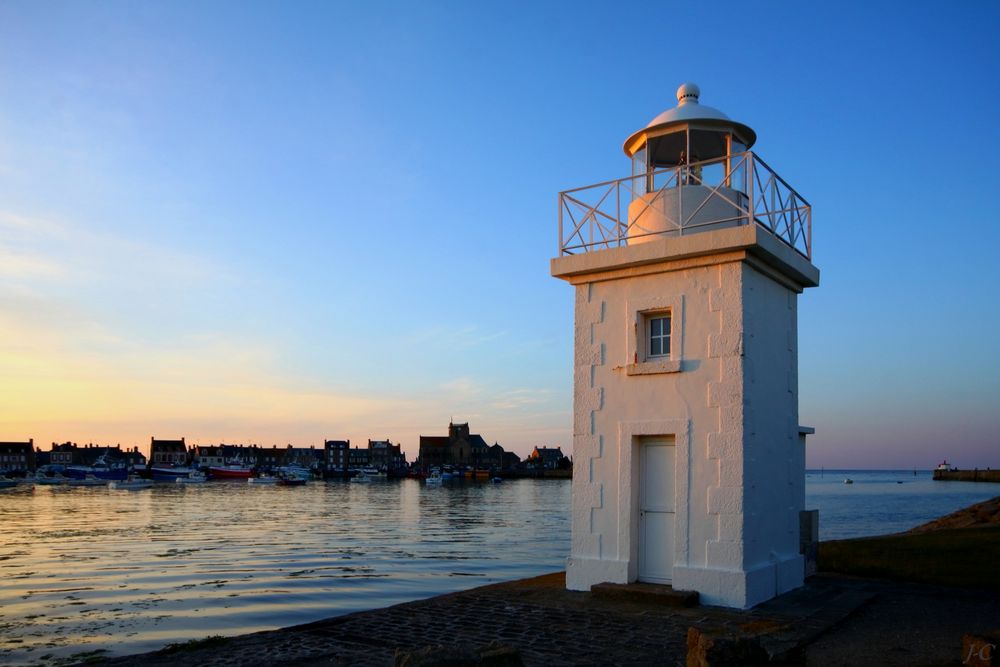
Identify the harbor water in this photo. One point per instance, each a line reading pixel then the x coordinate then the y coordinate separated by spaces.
pixel 877 502
pixel 118 572
pixel 84 569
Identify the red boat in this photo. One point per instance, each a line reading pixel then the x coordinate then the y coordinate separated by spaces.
pixel 230 472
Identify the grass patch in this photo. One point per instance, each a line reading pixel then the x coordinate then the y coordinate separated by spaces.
pixel 212 641
pixel 954 557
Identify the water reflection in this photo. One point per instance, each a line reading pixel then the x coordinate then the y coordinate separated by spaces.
pixel 85 568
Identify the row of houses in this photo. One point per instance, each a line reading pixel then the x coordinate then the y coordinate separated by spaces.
pixel 460 448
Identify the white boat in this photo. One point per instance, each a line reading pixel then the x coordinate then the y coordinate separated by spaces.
pixel 196 477
pixel 848 480
pixel 7 482
pixel 294 471
pixel 133 483
pixel 89 480
pixel 433 479
pixel 263 479
pixel 361 477
pixel 45 480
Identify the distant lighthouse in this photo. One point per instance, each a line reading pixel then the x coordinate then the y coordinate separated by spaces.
pixel 689 460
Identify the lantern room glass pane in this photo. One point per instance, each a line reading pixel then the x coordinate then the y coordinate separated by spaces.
pixel 667 150
pixel 708 144
pixel 639 169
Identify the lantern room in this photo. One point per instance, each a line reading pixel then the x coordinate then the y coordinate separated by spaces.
pixel 688 170
pixel 689 133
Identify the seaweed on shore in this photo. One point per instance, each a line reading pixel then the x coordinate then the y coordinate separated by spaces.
pixel 212 641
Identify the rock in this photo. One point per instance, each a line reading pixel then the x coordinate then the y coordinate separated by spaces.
pixel 980 515
pixel 717 650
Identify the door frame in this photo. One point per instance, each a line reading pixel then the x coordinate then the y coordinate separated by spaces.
pixel 630 436
pixel 644 444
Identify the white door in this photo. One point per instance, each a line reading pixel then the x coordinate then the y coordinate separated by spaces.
pixel 656 510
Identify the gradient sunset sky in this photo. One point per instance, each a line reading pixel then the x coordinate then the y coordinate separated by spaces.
pixel 284 222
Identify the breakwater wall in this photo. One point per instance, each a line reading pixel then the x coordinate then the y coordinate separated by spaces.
pixel 967 475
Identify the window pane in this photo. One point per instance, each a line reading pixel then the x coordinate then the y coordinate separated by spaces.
pixel 655 326
pixel 654 347
pixel 666 344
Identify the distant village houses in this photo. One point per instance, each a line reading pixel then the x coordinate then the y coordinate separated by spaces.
pixel 336 458
pixel 71 454
pixel 358 458
pixel 548 458
pixel 384 455
pixel 168 452
pixel 17 456
pixel 63 454
pixel 337 455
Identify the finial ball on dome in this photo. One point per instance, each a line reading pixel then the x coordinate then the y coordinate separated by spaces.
pixel 688 92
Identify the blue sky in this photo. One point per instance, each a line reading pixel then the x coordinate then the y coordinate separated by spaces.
pixel 279 223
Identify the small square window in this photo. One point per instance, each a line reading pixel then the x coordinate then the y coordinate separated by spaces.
pixel 655 341
pixel 658 327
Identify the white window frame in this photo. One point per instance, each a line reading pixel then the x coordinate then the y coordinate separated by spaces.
pixel 663 337
pixel 639 315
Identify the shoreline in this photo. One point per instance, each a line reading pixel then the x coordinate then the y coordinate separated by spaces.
pixel 833 620
pixel 836 618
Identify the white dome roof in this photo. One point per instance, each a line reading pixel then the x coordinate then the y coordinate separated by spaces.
pixel 688 110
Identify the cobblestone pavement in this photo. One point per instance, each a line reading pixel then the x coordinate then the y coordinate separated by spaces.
pixel 548 625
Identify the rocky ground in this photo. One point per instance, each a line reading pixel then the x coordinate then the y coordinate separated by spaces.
pixel 980 515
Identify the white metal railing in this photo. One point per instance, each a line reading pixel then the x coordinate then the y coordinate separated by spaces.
pixel 599 216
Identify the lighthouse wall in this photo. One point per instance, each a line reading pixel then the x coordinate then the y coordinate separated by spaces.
pixel 726 400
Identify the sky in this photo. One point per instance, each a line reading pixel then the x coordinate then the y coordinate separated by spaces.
pixel 280 223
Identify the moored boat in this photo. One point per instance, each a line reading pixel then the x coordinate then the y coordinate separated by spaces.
pixel 89 480
pixel 133 483
pixel 263 479
pixel 433 479
pixel 7 483
pixel 46 480
pixel 230 472
pixel 100 472
pixel 196 477
pixel 294 471
pixel 169 473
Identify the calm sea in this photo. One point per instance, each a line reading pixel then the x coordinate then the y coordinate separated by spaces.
pixel 128 571
pixel 885 501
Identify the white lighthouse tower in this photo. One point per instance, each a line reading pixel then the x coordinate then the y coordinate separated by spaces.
pixel 689 461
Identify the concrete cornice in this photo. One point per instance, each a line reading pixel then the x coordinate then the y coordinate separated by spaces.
pixel 681 252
